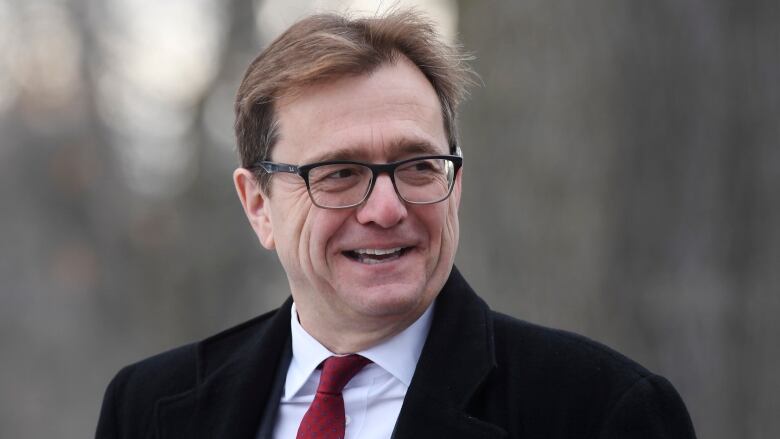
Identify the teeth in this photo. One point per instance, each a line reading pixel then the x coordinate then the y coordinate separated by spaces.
pixel 377 251
pixel 372 256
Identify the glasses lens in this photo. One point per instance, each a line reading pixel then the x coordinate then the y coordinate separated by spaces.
pixel 425 180
pixel 339 185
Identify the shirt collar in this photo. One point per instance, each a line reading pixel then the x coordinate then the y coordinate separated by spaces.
pixel 397 355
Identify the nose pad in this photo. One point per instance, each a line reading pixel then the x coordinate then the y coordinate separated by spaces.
pixel 383 206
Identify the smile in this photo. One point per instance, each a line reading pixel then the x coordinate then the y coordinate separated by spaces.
pixel 375 255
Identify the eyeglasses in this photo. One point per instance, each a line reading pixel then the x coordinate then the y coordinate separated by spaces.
pixel 341 184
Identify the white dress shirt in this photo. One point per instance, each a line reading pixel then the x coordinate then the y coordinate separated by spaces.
pixel 372 399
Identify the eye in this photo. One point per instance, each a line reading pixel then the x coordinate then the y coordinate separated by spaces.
pixel 341 173
pixel 423 165
pixel 338 174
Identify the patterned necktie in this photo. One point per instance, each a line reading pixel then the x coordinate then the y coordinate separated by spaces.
pixel 325 418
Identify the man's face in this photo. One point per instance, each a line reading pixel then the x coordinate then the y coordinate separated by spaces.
pixel 388 115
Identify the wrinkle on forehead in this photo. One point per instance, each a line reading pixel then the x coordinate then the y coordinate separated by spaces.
pixel 389 114
pixel 397 149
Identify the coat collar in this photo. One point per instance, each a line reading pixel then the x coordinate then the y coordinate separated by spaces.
pixel 238 369
pixel 458 356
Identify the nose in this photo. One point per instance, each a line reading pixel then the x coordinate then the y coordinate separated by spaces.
pixel 383 206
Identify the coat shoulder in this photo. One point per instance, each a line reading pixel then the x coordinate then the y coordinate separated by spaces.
pixel 566 352
pixel 129 400
pixel 131 397
pixel 178 369
pixel 566 385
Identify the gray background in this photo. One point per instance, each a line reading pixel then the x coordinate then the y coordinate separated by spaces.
pixel 622 164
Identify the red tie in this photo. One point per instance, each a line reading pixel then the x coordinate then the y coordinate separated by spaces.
pixel 325 417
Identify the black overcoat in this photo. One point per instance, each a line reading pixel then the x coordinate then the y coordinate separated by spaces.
pixel 481 374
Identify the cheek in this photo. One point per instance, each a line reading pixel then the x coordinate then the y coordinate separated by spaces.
pixel 290 229
pixel 441 224
pixel 440 218
pixel 448 231
pixel 453 226
pixel 319 231
pixel 453 234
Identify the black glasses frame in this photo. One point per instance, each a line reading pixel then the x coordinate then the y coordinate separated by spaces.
pixel 376 170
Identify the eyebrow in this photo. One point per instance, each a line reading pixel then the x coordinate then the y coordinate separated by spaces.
pixel 398 149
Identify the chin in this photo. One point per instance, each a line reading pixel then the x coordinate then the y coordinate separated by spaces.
pixel 388 299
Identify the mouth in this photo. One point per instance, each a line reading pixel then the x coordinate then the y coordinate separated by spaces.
pixel 372 256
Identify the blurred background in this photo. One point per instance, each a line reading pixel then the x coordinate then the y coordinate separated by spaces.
pixel 621 176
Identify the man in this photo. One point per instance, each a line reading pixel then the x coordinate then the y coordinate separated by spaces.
pixel 351 173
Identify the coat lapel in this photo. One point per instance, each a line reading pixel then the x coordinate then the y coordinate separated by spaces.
pixel 457 357
pixel 236 373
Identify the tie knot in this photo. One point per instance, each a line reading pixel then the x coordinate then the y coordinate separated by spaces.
pixel 337 371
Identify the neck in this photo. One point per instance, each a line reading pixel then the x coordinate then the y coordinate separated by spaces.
pixel 346 336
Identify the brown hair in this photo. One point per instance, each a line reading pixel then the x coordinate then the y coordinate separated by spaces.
pixel 327 46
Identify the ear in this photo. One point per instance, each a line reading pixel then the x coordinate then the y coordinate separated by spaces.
pixel 256 206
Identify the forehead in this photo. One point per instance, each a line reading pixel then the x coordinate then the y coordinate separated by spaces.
pixel 391 112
